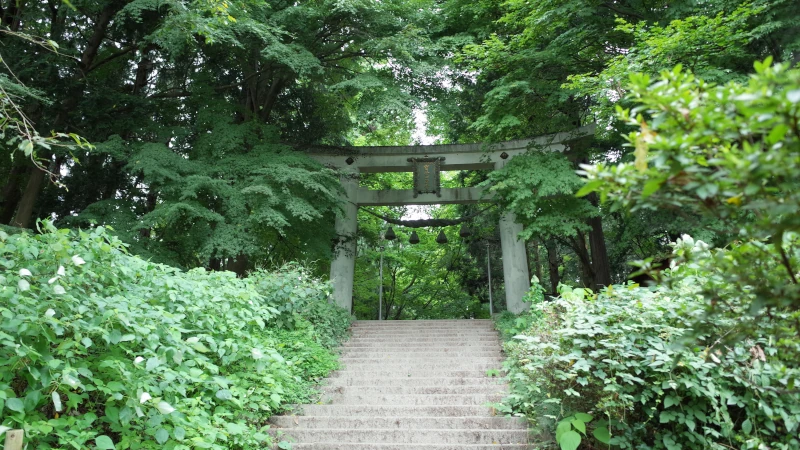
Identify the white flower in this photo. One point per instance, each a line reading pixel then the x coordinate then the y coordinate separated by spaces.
pixel 61 271
pixel 25 273
pixel 143 397
pixel 256 353
pixel 77 260
pixel 52 280
pixel 59 290
pixel 49 313
pixel 138 359
pixel 23 285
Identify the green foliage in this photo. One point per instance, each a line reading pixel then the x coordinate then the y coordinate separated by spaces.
pixel 728 152
pixel 619 356
pixel 539 188
pixel 570 428
pixel 102 348
pixel 422 281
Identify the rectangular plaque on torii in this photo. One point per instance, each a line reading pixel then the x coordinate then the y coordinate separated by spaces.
pixel 427 175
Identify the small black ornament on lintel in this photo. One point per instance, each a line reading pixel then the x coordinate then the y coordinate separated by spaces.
pixel 414 239
pixel 504 155
pixel 442 239
pixel 349 160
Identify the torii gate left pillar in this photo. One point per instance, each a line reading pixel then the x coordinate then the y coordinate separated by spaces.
pixel 343 266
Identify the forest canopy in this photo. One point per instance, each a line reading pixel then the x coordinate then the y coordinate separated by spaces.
pixel 183 126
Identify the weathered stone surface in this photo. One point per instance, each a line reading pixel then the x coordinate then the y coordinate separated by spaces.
pixel 410 385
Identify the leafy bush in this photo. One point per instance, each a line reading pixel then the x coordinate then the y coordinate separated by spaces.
pixel 726 152
pixel 102 349
pixel 622 356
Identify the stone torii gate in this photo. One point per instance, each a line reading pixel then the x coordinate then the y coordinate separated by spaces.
pixel 426 162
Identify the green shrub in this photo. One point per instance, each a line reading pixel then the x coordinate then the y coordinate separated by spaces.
pixel 622 356
pixel 102 349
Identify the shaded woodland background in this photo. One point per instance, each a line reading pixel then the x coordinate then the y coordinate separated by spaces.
pixel 198 113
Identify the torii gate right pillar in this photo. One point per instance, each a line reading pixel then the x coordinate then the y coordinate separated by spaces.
pixel 515 264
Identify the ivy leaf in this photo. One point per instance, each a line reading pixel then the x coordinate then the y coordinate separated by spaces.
pixel 589 187
pixel 562 428
pixel 162 436
pixel 152 363
pixel 104 442
pixel 570 440
pixel 165 408
pixel 602 434
pixel 15 404
pixel 579 425
pixel 27 147
pixel 651 187
pixel 671 400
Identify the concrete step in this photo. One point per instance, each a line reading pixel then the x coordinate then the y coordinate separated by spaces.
pixel 424 329
pixel 419 385
pixel 421 351
pixel 427 321
pixel 425 340
pixel 423 346
pixel 422 323
pixel 388 388
pixel 421 360
pixel 371 410
pixel 411 399
pixel 419 436
pixel 372 373
pixel 408 369
pixel 426 332
pixel 374 446
pixel 400 423
pixel 416 381
pixel 402 355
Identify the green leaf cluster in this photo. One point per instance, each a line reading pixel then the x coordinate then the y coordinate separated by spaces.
pixel 622 355
pixel 727 152
pixel 104 349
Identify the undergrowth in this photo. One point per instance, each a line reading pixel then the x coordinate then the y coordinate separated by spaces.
pixel 101 349
pixel 647 368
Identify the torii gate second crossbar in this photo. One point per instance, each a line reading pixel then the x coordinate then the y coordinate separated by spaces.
pixel 351 161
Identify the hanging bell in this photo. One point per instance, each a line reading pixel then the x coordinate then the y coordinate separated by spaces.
pixel 441 238
pixel 390 236
pixel 464 231
pixel 413 239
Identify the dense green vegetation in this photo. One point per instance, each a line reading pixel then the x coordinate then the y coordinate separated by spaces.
pixel 101 348
pixel 181 129
pixel 708 358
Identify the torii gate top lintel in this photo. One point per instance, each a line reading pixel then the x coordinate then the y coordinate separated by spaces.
pixel 475 156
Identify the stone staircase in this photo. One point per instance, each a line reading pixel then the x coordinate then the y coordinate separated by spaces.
pixel 410 385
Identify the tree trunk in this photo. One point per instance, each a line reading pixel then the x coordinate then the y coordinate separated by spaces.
pixel 12 193
pixel 600 265
pixel 578 245
pixel 238 265
pixel 28 201
pixel 552 263
pixel 537 262
pixel 597 243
